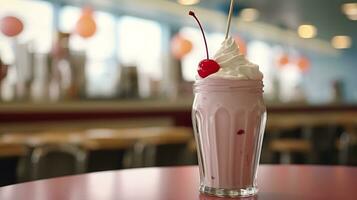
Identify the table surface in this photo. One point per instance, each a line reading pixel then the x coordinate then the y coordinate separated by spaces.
pixel 280 182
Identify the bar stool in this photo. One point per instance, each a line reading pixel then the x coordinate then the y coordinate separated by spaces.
pixel 45 160
pixel 10 156
pixel 347 146
pixel 155 146
pixel 192 152
pixel 51 148
pixel 283 132
pixel 107 149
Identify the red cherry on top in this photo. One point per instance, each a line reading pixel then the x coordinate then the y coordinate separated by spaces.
pixel 206 66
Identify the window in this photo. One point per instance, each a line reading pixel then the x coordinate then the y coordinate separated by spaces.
pixel 140 45
pixel 37 17
pixel 101 64
pixel 260 53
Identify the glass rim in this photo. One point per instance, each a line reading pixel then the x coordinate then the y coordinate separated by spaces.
pixel 220 85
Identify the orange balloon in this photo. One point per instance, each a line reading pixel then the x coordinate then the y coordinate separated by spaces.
pixel 283 60
pixel 241 44
pixel 87 10
pixel 180 46
pixel 86 26
pixel 11 26
pixel 303 64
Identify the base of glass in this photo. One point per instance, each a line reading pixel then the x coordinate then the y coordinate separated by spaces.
pixel 219 192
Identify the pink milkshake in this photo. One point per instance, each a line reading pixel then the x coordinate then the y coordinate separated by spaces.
pixel 229 118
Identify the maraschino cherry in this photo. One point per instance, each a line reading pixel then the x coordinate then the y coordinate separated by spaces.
pixel 206 66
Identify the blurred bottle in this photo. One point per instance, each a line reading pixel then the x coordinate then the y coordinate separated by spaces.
pixel 41 78
pixel 337 89
pixel 24 71
pixel 60 69
pixel 67 80
pixel 3 72
pixel 78 87
pixel 154 88
pixel 128 82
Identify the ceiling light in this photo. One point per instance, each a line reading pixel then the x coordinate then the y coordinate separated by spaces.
pixel 350 10
pixel 249 14
pixel 307 31
pixel 341 42
pixel 188 2
pixel 352 17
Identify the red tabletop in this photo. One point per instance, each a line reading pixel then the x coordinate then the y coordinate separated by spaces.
pixel 282 182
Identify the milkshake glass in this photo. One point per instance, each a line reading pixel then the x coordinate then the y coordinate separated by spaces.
pixel 229 118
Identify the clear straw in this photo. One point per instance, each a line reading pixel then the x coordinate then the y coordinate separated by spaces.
pixel 229 18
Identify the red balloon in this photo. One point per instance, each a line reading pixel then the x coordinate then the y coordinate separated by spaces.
pixel 86 26
pixel 11 26
pixel 180 46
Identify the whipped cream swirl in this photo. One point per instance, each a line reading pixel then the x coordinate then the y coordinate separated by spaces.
pixel 233 64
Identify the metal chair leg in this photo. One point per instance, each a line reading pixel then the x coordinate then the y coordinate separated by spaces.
pixel 138 157
pixel 344 146
pixel 285 158
pixel 150 156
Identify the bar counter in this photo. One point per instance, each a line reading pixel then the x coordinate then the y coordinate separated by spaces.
pixel 137 113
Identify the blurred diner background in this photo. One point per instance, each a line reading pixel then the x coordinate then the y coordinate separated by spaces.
pixel 93 85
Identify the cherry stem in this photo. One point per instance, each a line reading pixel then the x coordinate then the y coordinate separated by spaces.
pixel 203 33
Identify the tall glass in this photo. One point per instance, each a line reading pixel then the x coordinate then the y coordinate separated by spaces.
pixel 229 120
